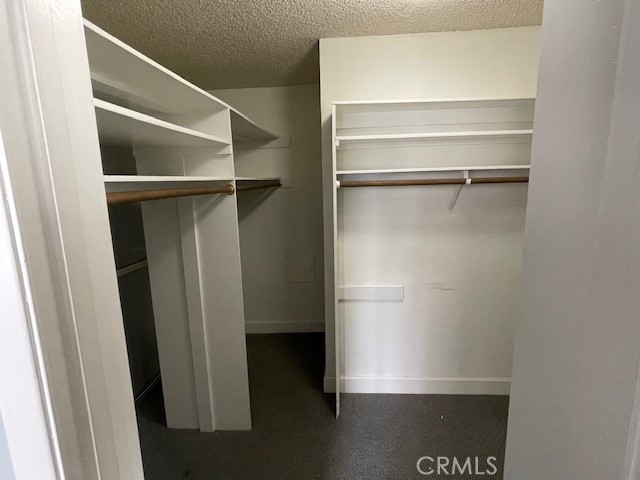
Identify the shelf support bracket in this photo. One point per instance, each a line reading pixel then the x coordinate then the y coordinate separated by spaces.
pixel 456 194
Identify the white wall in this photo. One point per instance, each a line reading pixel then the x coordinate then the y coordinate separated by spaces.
pixel 460 270
pixel 577 350
pixel 6 469
pixel 281 231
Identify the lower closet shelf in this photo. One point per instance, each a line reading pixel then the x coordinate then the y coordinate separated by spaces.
pixel 256 178
pixel 159 178
pixel 118 183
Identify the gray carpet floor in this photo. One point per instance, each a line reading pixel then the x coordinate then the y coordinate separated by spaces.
pixel 295 435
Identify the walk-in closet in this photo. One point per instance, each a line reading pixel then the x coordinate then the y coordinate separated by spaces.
pixel 289 240
pixel 319 240
pixel 295 260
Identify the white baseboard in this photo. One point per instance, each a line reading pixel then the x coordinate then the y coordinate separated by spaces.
pixel 424 385
pixel 284 327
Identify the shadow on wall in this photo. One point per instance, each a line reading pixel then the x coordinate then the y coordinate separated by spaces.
pixel 249 202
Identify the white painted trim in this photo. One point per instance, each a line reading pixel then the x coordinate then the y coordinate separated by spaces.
pixel 421 385
pixel 333 273
pixel 631 465
pixel 284 327
pixel 25 403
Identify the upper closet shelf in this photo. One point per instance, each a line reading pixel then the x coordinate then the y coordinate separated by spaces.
pixel 374 106
pixel 245 130
pixel 124 183
pixel 117 70
pixel 436 136
pixel 433 169
pixel 120 72
pixel 121 126
pixel 254 179
pixel 133 179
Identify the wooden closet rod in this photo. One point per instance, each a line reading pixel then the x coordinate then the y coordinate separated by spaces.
pixel 258 185
pixel 144 195
pixel 429 181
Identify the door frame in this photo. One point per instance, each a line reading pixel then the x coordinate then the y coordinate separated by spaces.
pixel 61 253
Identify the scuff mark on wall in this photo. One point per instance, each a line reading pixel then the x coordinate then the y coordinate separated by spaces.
pixel 440 286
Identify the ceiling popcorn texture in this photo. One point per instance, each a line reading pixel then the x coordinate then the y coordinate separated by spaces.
pixel 253 43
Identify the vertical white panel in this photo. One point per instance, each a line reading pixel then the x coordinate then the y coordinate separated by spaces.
pixel 25 404
pixel 219 254
pixel 164 253
pixel 194 266
pixel 334 193
pixel 191 267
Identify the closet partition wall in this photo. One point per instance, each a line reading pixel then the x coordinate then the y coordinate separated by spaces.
pixel 408 145
pixel 182 139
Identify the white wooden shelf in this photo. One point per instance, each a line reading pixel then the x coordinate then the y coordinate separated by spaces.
pixel 244 129
pixel 432 169
pixel 121 183
pixel 458 102
pixel 400 142
pixel 436 136
pixel 139 103
pixel 121 126
pixel 132 179
pixel 382 106
pixel 255 179
pixel 119 71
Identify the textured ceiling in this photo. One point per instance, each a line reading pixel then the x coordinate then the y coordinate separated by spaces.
pixel 251 43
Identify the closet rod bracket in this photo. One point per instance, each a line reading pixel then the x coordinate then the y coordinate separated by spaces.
pixel 456 193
